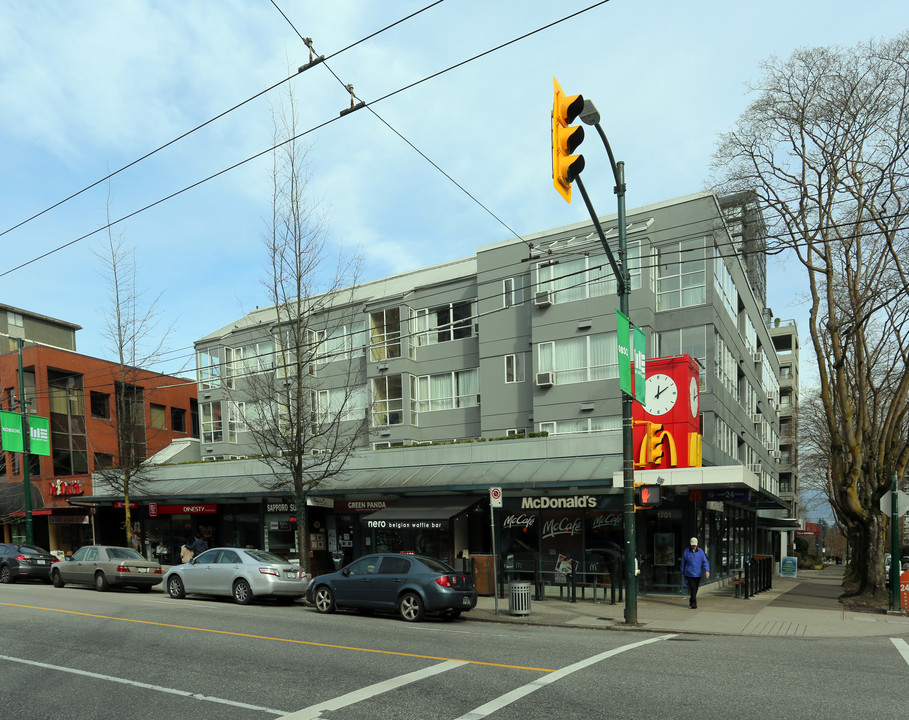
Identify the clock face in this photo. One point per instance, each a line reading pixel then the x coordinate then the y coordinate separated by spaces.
pixel 662 394
pixel 694 396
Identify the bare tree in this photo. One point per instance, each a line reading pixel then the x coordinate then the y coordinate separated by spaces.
pixel 824 147
pixel 131 331
pixel 311 412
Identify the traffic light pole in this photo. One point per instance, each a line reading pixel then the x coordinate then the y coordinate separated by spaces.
pixel 624 291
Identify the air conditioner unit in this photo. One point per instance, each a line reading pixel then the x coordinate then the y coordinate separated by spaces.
pixel 542 299
pixel 771 395
pixel 756 468
pixel 757 418
pixel 756 357
pixel 776 454
pixel 544 379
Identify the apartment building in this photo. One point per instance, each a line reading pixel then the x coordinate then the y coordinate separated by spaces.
pixel 509 358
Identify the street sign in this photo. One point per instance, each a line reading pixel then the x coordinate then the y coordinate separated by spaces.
pixel 495 497
pixel 11 426
pixel 38 435
pixel 640 369
pixel 902 503
pixel 626 354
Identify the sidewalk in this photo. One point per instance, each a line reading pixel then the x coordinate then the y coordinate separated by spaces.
pixel 805 606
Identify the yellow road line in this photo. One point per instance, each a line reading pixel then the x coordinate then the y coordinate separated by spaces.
pixel 277 639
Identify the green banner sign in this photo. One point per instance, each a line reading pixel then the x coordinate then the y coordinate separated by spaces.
pixel 626 357
pixel 11 428
pixel 640 362
pixel 38 435
pixel 623 332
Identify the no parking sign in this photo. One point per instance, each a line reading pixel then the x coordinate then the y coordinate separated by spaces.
pixel 495 497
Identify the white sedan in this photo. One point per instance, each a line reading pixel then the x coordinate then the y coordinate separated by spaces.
pixel 241 573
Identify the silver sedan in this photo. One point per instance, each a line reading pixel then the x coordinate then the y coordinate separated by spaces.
pixel 106 566
pixel 241 573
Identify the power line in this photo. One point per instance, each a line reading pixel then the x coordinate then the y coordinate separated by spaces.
pixel 289 140
pixel 202 125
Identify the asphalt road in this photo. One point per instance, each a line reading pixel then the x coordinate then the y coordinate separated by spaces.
pixel 75 653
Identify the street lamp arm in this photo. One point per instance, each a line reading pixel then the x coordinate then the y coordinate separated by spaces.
pixel 617 271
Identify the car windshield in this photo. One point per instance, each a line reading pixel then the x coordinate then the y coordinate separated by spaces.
pixel 436 565
pixel 117 553
pixel 266 557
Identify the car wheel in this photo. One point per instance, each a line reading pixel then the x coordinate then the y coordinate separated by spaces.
pixel 6 576
pixel 101 584
pixel 410 607
pixel 451 614
pixel 324 599
pixel 242 592
pixel 175 587
pixel 56 579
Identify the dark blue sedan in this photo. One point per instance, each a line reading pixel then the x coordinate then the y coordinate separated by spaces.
pixel 411 585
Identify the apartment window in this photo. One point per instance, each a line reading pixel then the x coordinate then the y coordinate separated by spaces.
pixel 444 391
pixel 67 423
pixel 157 417
pixel 686 341
pixel 257 357
pixel 103 461
pixel 178 420
pixel 387 401
pixel 579 278
pixel 340 343
pixel 443 324
pixel 208 368
pixel 338 404
pixel 581 425
pixel 785 400
pixel 513 291
pixel 682 279
pixel 724 286
pixel 236 420
pixel 725 365
pixel 514 431
pixel 14 319
pixel 100 405
pixel 785 372
pixel 593 357
pixel 212 423
pixel 385 334
pixel 514 368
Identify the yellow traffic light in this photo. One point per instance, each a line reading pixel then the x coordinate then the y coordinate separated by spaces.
pixel 565 140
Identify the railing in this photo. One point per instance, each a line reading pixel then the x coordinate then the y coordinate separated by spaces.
pixel 607 576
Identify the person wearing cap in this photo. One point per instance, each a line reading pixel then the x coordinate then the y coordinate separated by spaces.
pixel 694 564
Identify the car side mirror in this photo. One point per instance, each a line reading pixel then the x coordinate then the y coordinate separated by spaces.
pixel 345 572
pixel 68 559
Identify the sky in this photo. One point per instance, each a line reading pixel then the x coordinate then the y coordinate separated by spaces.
pixel 88 87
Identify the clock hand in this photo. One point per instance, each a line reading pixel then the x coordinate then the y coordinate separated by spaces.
pixel 659 390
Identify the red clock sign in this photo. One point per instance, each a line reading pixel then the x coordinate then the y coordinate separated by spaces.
pixel 667 430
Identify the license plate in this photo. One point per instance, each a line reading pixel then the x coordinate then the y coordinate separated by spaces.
pixel 42 562
pixel 142 570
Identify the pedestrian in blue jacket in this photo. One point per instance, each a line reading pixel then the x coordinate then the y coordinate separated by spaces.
pixel 694 563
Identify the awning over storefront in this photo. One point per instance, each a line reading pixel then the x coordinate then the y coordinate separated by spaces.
pixel 781 524
pixel 12 499
pixel 414 512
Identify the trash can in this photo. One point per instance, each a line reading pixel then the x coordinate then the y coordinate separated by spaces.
pixel 519 598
